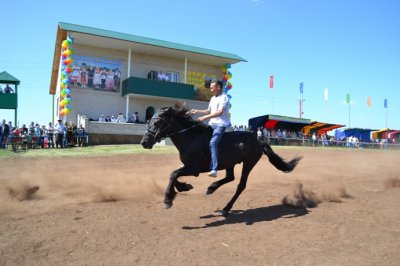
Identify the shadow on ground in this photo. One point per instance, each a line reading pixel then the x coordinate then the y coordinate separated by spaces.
pixel 252 216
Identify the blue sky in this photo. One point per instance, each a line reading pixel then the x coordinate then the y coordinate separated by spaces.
pixel 347 46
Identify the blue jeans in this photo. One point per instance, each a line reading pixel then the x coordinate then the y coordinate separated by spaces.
pixel 218 131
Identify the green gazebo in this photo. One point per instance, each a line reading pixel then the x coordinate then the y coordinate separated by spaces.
pixel 9 100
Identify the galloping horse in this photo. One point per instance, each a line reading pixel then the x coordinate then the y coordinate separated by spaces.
pixel 192 138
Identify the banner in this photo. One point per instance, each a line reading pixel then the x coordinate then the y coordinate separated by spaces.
pixel 326 94
pixel 385 103
pixel 95 73
pixel 369 101
pixel 301 87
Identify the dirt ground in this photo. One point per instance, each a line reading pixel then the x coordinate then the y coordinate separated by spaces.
pixel 109 211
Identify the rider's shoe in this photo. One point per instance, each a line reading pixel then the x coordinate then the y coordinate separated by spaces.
pixel 213 173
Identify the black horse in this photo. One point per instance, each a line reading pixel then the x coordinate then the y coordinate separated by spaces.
pixel 192 138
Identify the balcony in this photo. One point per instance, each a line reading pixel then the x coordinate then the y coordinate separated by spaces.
pixel 8 101
pixel 135 85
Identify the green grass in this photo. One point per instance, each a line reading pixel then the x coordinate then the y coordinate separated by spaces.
pixel 101 150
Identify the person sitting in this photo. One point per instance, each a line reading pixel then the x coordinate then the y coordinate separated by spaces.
pixel 102 119
pixel 8 89
pixel 108 119
pixel 121 118
pixel 113 119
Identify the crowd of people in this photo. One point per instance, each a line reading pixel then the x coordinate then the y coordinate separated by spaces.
pixel 60 135
pixel 120 118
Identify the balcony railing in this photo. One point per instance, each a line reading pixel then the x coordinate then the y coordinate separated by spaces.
pixel 158 88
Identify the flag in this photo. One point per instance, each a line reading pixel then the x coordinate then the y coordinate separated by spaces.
pixel 385 103
pixel 326 94
pixel 369 101
pixel 301 87
pixel 271 82
pixel 348 98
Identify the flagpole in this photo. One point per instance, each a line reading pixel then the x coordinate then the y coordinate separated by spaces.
pixel 272 105
pixel 386 117
pixel 349 113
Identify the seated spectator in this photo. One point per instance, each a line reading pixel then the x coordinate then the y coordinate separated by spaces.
pixel 121 118
pixel 113 119
pixel 108 119
pixel 8 89
pixel 132 119
pixel 102 119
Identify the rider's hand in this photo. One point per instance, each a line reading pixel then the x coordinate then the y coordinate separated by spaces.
pixel 201 119
pixel 193 111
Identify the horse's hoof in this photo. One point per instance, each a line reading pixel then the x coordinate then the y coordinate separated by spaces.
pixel 224 213
pixel 182 187
pixel 167 205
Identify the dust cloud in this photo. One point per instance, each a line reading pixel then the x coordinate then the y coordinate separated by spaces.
pixel 304 197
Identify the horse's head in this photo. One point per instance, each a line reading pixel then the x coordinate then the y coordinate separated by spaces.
pixel 158 128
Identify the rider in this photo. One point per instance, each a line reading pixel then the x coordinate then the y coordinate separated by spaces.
pixel 217 112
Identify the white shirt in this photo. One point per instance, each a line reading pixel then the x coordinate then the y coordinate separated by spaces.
pixel 216 104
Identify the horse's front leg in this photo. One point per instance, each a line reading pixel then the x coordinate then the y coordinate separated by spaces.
pixel 170 192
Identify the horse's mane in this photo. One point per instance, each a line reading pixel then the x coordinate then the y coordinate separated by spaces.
pixel 182 113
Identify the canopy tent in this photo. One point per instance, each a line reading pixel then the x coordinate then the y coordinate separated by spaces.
pixel 394 135
pixel 319 128
pixel 278 122
pixel 362 134
pixel 380 134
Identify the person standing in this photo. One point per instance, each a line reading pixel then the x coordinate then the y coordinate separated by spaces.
pixel 60 129
pixel 218 114
pixel 50 135
pixel 5 131
pixel 8 89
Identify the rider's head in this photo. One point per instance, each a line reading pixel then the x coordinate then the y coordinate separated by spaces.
pixel 216 86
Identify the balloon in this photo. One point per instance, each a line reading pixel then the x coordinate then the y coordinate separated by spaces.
pixel 62 85
pixel 67 111
pixel 69 70
pixel 67 100
pixel 62 103
pixel 229 96
pixel 63 92
pixel 67 91
pixel 70 40
pixel 68 106
pixel 63 75
pixel 64 44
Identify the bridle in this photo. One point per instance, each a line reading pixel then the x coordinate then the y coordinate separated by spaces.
pixel 156 134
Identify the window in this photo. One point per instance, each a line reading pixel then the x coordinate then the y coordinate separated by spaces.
pixel 173 76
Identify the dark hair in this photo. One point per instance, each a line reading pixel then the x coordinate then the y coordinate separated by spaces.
pixel 218 82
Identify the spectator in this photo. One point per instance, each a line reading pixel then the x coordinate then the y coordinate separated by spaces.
pixel 1 89
pixel 5 131
pixel 113 119
pixel 81 134
pixel 108 119
pixel 61 129
pixel 102 119
pixel 259 134
pixel 50 135
pixel 132 119
pixel 8 89
pixel 121 118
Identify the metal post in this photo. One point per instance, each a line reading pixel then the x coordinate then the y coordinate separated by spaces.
pixel 185 72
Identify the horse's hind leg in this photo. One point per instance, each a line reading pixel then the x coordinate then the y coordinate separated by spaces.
pixel 229 178
pixel 247 167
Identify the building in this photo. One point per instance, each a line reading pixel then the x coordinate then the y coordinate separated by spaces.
pixel 116 73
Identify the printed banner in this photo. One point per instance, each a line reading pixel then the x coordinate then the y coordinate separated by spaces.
pixel 95 73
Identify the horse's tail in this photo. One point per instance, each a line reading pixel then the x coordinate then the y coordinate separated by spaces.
pixel 278 162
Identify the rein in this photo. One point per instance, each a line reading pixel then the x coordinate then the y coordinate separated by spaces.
pixel 156 134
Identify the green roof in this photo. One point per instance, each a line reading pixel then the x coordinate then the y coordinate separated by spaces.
pixel 7 78
pixel 148 41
